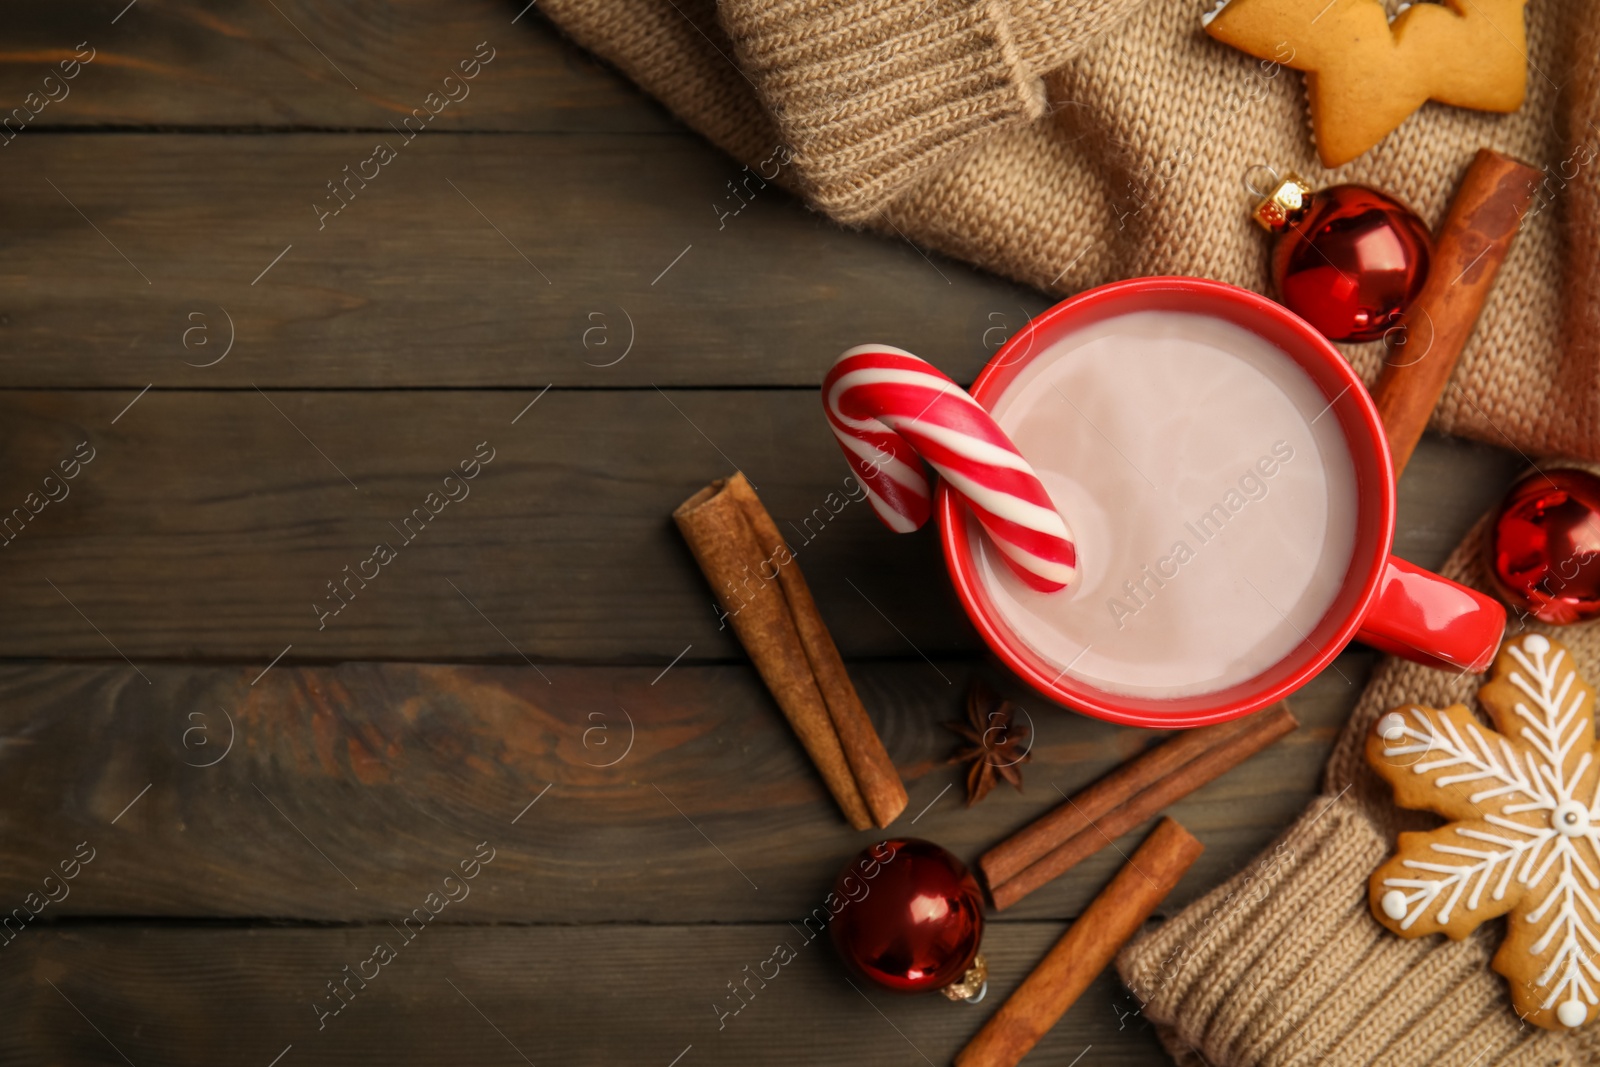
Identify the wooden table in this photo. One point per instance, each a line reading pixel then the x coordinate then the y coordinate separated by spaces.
pixel 536 678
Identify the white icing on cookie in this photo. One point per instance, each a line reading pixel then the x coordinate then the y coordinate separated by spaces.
pixel 1536 837
pixel 1570 819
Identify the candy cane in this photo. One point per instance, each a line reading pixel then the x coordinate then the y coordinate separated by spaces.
pixel 891 410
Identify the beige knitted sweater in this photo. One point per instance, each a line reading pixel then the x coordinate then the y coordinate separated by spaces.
pixel 1283 964
pixel 1065 143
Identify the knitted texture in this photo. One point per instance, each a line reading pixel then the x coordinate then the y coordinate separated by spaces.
pixel 1137 164
pixel 1575 178
pixel 678 51
pixel 1284 964
pixel 1050 32
pixel 923 111
pixel 870 96
pixel 1178 119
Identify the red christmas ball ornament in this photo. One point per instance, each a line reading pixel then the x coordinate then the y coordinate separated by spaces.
pixel 910 918
pixel 1348 259
pixel 1544 547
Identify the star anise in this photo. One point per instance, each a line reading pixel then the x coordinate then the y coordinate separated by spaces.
pixel 997 745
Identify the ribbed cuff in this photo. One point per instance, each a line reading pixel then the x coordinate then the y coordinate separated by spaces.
pixel 871 94
pixel 1284 965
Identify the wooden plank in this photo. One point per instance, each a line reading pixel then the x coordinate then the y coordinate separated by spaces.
pixel 296 63
pixel 465 260
pixel 348 792
pixel 507 995
pixel 1448 486
pixel 210 524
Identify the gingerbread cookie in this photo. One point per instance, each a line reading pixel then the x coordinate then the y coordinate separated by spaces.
pixel 1364 74
pixel 1525 831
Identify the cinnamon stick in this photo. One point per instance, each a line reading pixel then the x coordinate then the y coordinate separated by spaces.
pixel 1472 243
pixel 1085 950
pixel 759 585
pixel 1030 844
pixel 1140 788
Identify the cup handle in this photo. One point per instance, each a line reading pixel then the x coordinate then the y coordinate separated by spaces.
pixel 1431 620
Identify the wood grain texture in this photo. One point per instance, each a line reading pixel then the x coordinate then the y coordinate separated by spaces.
pixel 587 996
pixel 210 524
pixel 349 792
pixel 414 324
pixel 1448 486
pixel 465 260
pixel 297 63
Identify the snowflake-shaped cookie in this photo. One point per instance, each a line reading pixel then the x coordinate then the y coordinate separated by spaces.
pixel 1525 831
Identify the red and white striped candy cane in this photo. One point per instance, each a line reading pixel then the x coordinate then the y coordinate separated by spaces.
pixel 890 410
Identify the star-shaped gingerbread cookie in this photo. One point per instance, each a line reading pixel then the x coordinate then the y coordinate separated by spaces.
pixel 1365 75
pixel 1524 835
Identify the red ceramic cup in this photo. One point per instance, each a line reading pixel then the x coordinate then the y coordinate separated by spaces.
pixel 1384 602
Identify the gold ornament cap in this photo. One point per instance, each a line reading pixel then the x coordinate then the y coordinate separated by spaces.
pixel 1287 202
pixel 973 985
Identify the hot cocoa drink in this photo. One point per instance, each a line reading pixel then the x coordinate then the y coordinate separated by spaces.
pixel 1211 492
